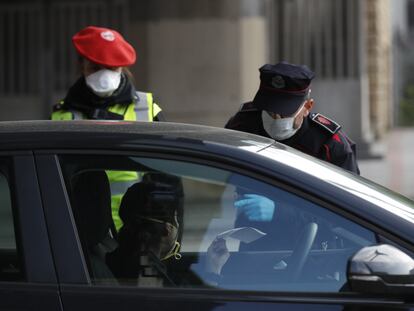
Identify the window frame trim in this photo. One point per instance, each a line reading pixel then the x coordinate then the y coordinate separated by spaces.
pixel 32 239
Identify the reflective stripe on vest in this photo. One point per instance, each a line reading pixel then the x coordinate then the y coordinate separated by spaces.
pixel 143 107
pixel 77 115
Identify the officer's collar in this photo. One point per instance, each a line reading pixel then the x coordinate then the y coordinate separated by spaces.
pixel 308 139
pixel 295 138
pixel 81 95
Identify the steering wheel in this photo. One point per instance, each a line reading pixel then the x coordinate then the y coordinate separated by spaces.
pixel 301 251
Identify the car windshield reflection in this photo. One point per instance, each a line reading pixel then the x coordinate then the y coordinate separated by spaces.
pixel 357 185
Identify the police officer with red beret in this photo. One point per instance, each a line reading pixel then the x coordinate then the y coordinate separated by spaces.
pixel 281 110
pixel 105 91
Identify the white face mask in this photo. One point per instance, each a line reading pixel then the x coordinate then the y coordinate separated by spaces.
pixel 104 82
pixel 279 129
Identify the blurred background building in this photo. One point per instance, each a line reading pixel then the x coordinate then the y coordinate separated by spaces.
pixel 201 58
pixel 348 44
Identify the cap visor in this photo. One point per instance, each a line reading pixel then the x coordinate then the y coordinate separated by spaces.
pixel 280 103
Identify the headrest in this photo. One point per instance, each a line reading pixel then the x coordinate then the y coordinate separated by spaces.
pixel 157 196
pixel 92 198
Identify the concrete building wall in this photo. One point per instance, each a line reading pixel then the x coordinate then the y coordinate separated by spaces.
pixel 254 53
pixel 399 16
pixel 379 70
pixel 348 45
pixel 201 58
pixel 194 67
pixel 402 55
pixel 330 40
pixel 22 107
pixel 341 100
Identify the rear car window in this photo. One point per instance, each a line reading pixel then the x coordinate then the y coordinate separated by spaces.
pixel 10 266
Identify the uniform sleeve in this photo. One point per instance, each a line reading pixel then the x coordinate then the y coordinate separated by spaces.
pixel 342 152
pixel 230 124
pixel 239 122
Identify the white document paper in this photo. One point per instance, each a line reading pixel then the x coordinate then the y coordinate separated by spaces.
pixel 243 234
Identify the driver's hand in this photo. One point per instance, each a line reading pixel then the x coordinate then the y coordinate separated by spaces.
pixel 217 256
pixel 255 207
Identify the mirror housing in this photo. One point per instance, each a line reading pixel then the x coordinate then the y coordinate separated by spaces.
pixel 381 269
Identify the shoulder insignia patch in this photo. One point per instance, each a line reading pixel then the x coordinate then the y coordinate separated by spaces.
pixel 325 122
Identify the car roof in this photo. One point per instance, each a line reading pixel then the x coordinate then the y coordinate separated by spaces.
pixel 57 134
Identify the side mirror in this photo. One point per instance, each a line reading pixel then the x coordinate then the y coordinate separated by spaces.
pixel 381 269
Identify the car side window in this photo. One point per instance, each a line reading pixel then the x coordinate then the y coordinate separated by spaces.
pixel 149 222
pixel 10 264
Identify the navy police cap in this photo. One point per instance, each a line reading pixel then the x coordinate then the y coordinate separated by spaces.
pixel 283 87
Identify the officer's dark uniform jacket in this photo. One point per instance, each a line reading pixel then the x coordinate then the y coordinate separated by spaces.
pixel 318 136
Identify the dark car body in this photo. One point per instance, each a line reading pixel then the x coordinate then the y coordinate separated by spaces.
pixel 46 266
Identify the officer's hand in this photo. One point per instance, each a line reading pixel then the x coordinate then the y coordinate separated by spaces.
pixel 255 207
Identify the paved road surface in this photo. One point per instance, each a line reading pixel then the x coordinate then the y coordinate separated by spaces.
pixel 396 169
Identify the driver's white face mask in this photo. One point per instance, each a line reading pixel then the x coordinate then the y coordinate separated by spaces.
pixel 280 129
pixel 104 82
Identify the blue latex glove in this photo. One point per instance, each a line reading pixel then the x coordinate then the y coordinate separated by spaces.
pixel 256 207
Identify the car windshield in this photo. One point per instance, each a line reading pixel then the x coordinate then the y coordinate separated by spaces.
pixel 357 185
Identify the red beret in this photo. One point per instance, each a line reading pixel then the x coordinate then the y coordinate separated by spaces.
pixel 104 46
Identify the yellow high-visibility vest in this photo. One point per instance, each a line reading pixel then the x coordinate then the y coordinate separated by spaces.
pixel 144 109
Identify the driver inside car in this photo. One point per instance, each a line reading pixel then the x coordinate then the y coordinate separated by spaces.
pixel 149 237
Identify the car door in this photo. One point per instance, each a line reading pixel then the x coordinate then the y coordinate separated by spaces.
pixel 291 256
pixel 27 275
